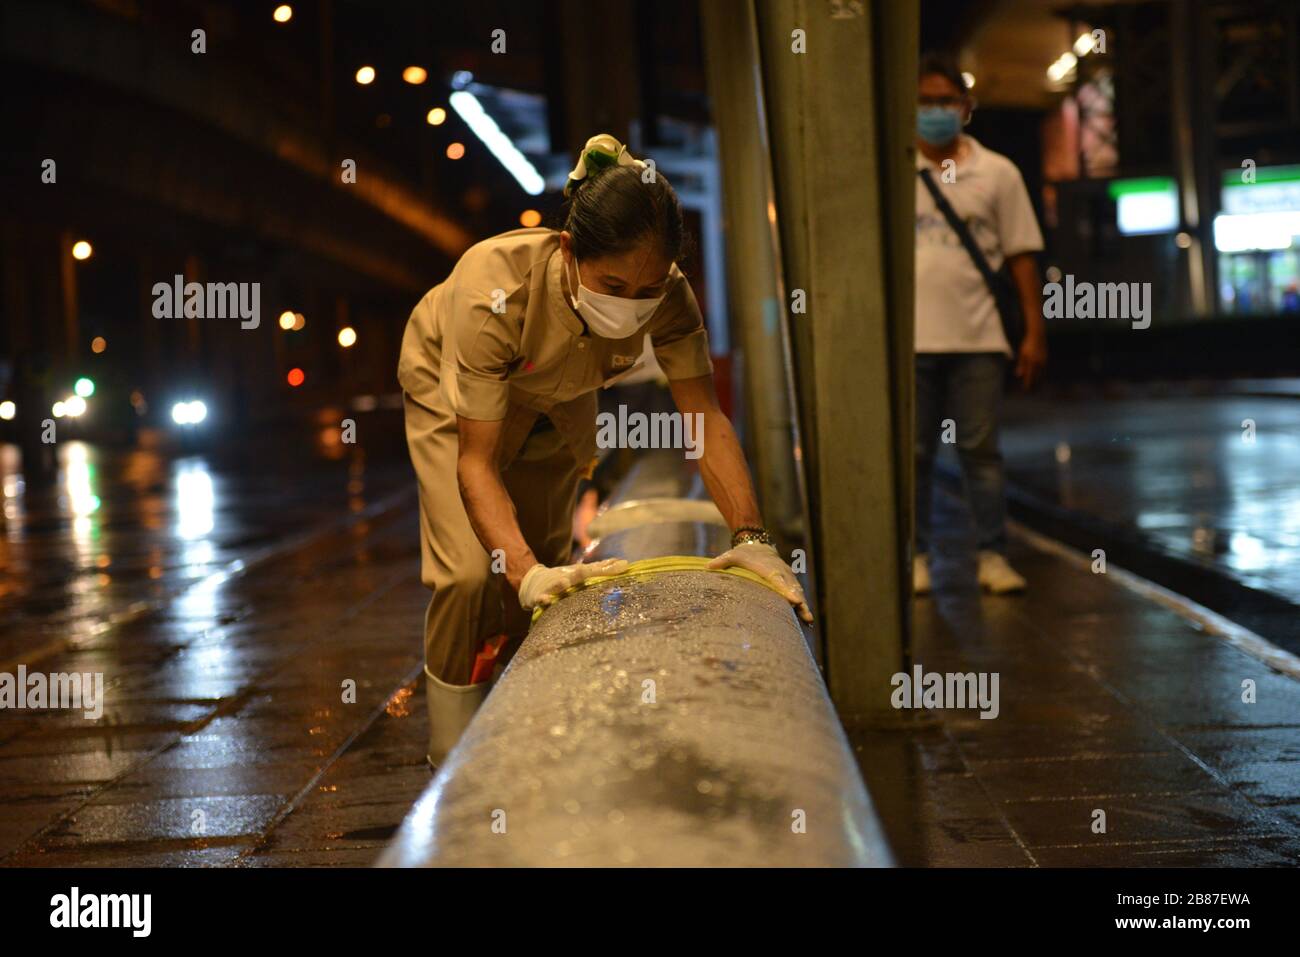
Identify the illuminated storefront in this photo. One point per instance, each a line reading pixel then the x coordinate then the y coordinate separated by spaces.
pixel 1257 235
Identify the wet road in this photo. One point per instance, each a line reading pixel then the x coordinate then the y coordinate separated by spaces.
pixel 230 599
pixel 123 531
pixel 1200 493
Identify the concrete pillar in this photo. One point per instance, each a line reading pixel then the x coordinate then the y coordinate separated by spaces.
pixel 840 84
pixel 753 267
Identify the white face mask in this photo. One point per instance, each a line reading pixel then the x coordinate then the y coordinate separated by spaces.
pixel 611 317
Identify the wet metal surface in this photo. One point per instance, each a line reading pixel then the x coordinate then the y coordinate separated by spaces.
pixel 662 538
pixel 678 720
pixel 656 473
pixel 635 512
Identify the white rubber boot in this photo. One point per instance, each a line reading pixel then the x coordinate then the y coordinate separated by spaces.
pixel 450 709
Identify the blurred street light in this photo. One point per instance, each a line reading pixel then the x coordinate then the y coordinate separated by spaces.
pixel 455 151
pixel 296 377
pixel 286 320
pixel 8 410
pixel 366 75
pixel 283 13
pixel 98 344
pixel 437 116
pixel 470 110
pixel 530 218
pixel 415 75
pixel 347 337
pixel 84 387
pixel 81 249
pixel 1059 70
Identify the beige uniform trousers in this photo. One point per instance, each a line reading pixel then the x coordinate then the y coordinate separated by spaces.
pixel 470 601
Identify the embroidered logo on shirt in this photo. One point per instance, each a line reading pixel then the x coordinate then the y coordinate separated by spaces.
pixel 622 362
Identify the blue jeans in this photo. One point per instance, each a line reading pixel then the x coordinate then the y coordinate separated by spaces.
pixel 965 388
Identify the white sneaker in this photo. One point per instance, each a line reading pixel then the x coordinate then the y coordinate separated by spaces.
pixel 920 574
pixel 997 576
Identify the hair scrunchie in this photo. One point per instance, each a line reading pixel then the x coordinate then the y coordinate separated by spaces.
pixel 601 151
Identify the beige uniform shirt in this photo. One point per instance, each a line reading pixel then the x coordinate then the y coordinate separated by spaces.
pixel 497 341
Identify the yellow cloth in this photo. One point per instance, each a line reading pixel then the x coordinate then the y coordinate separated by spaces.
pixel 654 566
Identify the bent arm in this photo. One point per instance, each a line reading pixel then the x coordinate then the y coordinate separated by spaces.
pixel 487 503
pixel 722 463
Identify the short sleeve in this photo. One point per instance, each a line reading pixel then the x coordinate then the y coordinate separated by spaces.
pixel 478 346
pixel 1017 225
pixel 678 336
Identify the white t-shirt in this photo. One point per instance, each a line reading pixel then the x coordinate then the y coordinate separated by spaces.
pixel 955 312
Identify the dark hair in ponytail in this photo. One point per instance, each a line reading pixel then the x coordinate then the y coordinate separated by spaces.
pixel 614 210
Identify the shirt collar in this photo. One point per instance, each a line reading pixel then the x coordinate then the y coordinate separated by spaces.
pixel 555 294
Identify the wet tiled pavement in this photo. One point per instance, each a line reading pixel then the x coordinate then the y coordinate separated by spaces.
pixel 226 737
pixel 1110 702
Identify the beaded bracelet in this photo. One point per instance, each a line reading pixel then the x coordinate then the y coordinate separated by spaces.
pixel 747 534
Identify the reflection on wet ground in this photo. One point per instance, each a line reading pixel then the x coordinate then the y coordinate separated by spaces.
pixel 1201 493
pixel 121 530
pixel 1114 712
pixel 255 612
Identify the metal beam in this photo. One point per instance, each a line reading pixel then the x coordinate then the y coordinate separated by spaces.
pixel 668 718
pixel 841 116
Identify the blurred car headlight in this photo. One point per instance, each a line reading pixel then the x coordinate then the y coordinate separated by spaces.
pixel 189 413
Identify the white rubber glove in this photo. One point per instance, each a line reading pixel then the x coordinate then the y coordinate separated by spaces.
pixel 765 561
pixel 542 585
